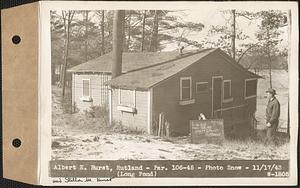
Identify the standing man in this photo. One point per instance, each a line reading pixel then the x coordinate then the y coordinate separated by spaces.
pixel 272 115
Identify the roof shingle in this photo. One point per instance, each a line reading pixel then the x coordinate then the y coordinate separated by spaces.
pixel 144 70
pixel 147 77
pixel 130 61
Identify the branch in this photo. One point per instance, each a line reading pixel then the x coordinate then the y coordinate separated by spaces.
pixel 247 17
pixel 241 56
pixel 250 65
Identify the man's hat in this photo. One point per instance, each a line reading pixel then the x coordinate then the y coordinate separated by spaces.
pixel 272 91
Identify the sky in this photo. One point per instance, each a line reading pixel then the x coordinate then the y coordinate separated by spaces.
pixel 210 17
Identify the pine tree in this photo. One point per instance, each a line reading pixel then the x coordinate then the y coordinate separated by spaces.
pixel 268 36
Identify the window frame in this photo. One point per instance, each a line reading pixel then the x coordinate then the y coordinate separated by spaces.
pixel 86 79
pixel 182 79
pixel 245 88
pixel 198 83
pixel 230 92
pixel 133 99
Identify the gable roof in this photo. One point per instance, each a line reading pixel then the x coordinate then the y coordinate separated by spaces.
pixel 130 61
pixel 147 77
pixel 237 65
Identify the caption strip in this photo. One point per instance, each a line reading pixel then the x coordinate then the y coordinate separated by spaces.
pixel 76 170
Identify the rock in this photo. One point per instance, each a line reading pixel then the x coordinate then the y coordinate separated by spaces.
pixel 109 142
pixel 164 150
pixel 96 139
pixel 86 140
pixel 55 144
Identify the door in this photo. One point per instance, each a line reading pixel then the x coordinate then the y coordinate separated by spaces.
pixel 217 83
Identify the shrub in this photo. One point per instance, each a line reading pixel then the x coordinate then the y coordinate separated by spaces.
pixel 75 108
pixel 100 111
pixel 66 103
pixel 118 127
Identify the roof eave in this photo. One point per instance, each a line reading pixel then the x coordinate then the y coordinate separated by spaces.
pixel 109 83
pixel 256 76
pixel 128 87
pixel 87 71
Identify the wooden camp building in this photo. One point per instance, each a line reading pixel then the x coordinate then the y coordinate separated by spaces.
pixel 88 78
pixel 179 86
pixel 206 81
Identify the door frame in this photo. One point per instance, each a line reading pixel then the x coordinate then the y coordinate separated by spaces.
pixel 212 94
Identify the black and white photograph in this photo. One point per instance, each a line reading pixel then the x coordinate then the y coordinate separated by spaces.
pixel 170 84
pixel 144 93
pixel 168 93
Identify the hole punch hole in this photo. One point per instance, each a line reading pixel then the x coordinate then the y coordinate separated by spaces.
pixel 16 142
pixel 16 39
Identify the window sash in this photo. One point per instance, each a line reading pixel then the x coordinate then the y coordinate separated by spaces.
pixel 86 87
pixel 127 97
pixel 185 91
pixel 248 92
pixel 227 89
pixel 198 86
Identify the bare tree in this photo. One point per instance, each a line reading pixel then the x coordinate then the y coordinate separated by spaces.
pixel 102 32
pixel 143 30
pixel 128 31
pixel 101 15
pixel 233 34
pixel 67 19
pixel 154 37
pixel 289 22
pixel 268 49
pixel 86 35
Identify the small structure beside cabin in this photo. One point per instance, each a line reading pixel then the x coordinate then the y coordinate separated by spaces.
pixel 181 87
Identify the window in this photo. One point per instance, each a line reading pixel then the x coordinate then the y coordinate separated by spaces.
pixel 126 101
pixel 186 91
pixel 86 87
pixel 127 97
pixel 227 91
pixel 250 88
pixel 186 88
pixel 201 87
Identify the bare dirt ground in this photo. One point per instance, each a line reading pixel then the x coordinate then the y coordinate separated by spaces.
pixel 78 137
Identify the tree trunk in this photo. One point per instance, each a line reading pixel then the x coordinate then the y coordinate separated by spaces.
pixel 129 32
pixel 86 36
pixel 154 38
pixel 67 22
pixel 143 31
pixel 245 51
pixel 64 52
pixel 269 57
pixel 233 35
pixel 124 25
pixel 117 42
pixel 289 63
pixel 53 75
pixel 60 74
pixel 102 33
pixel 270 71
